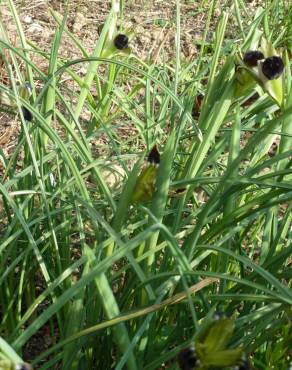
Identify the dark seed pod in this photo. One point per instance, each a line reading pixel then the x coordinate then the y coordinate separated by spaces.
pixel 245 365
pixel 273 67
pixel 26 114
pixel 154 156
pixel 252 57
pixel 121 41
pixel 187 359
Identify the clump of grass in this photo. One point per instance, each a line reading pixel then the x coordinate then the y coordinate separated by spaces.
pixel 118 283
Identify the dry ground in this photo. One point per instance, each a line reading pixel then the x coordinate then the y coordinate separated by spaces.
pixel 152 21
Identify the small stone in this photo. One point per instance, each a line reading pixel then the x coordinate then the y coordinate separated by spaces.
pixel 35 28
pixel 27 19
pixel 79 23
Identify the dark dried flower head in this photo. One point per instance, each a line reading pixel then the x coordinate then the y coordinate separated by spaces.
pixel 199 100
pixel 273 67
pixel 26 114
pixel 187 359
pixel 23 366
pixel 252 57
pixel 121 41
pixel 154 156
pixel 197 105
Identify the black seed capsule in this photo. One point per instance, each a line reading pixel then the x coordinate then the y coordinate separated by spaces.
pixel 121 41
pixel 273 67
pixel 154 156
pixel 26 114
pixel 197 106
pixel 187 359
pixel 252 57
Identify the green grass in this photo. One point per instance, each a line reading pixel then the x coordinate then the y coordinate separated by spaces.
pixel 122 285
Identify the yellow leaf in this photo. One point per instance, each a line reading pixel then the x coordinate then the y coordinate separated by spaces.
pixel 145 185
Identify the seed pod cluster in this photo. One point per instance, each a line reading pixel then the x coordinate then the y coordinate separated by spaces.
pixel 271 67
